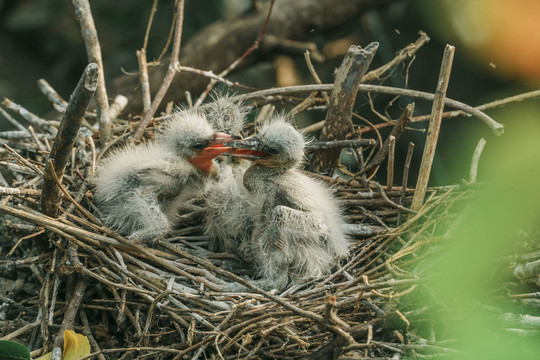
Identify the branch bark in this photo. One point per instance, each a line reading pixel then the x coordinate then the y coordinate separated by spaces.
pixel 338 117
pixel 51 195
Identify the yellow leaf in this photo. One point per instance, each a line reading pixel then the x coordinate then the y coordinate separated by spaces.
pixel 76 346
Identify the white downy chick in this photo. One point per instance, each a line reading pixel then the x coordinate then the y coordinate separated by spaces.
pixel 298 223
pixel 139 189
pixel 228 220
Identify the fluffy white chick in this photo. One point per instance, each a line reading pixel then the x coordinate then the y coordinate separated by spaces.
pixel 139 189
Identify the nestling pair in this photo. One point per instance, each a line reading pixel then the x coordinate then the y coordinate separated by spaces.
pixel 288 225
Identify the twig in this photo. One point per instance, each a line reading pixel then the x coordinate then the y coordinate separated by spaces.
pixel 498 129
pixel 402 55
pixel 51 196
pixel 52 95
pixel 208 74
pixel 434 127
pixel 149 25
pixel 490 105
pixel 19 192
pixel 28 116
pixel 93 50
pixel 237 62
pixel 338 117
pixel 88 333
pixel 398 129
pixel 13 121
pixel 330 312
pixel 118 105
pixel 169 75
pixel 304 313
pixel 476 160
pixel 335 144
pixel 390 202
pixel 69 318
pixel 24 161
pixel 143 76
pixel 405 180
pixel 390 167
pixel 313 73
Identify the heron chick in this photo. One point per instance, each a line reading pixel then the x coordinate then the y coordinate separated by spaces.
pixel 140 189
pixel 297 232
pixel 228 219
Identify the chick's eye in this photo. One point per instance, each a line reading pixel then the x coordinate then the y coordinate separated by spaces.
pixel 271 151
pixel 200 145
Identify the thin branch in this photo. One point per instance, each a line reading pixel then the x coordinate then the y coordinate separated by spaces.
pixel 338 144
pixel 52 95
pixel 145 84
pixel 69 317
pixel 149 25
pixel 13 121
pixel 390 167
pixel 28 116
pixel 498 129
pixel 179 18
pixel 398 129
pixel 93 50
pixel 405 180
pixel 237 62
pixel 434 127
pixel 476 160
pixel 403 54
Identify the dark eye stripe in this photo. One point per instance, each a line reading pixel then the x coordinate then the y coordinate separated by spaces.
pixel 201 144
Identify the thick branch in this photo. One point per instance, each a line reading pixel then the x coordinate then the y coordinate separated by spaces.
pixel 51 195
pixel 338 117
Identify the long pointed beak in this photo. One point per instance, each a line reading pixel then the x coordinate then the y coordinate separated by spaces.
pixel 203 160
pixel 246 149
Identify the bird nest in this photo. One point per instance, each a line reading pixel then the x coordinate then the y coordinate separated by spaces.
pixel 67 270
pixel 158 300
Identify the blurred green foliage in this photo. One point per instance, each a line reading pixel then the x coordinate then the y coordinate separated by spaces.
pixel 466 278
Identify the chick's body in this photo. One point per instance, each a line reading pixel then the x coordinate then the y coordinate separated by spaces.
pixel 228 220
pixel 139 189
pixel 297 230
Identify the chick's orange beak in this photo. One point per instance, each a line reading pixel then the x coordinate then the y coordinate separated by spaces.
pixel 204 159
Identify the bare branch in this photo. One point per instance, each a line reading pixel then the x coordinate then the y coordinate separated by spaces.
pixel 93 50
pixel 434 126
pixel 179 16
pixel 338 117
pixel 51 196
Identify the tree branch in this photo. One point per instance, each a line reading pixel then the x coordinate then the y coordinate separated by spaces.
pixel 51 195
pixel 93 49
pixel 338 117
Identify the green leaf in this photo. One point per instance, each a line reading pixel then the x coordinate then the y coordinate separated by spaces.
pixel 11 350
